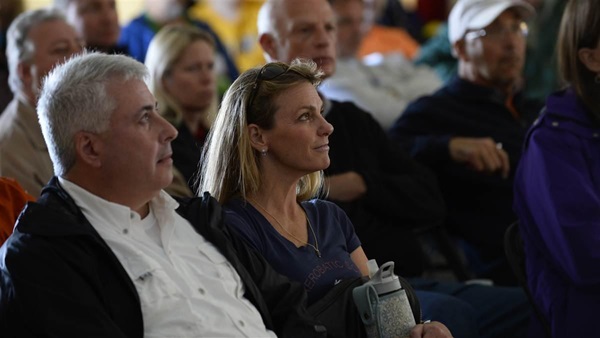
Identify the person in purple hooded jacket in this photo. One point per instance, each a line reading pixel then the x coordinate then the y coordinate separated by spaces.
pixel 557 188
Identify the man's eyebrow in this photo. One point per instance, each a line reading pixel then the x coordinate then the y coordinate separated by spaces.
pixel 147 107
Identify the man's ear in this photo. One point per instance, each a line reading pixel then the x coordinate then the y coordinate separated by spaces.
pixel 459 50
pixel 258 139
pixel 590 59
pixel 269 45
pixel 88 148
pixel 24 73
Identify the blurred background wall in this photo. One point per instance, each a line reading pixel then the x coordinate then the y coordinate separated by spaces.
pixel 127 8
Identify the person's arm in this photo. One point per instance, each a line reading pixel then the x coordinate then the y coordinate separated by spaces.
pixel 422 131
pixel 557 199
pixel 345 187
pixel 353 245
pixel 481 154
pixel 359 258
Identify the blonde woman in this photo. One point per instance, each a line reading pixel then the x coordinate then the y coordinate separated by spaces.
pixel 181 61
pixel 263 161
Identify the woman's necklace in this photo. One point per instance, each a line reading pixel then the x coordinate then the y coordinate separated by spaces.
pixel 315 247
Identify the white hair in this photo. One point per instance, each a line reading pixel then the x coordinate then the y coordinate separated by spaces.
pixel 18 46
pixel 74 98
pixel 267 21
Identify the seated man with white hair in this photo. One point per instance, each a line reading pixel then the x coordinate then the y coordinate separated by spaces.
pixel 37 40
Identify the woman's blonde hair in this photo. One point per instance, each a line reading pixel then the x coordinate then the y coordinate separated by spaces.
pixel 580 28
pixel 230 166
pixel 164 51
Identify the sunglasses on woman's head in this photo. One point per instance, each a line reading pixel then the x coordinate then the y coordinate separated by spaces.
pixel 268 72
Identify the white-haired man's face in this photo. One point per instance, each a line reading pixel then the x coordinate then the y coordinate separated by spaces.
pixel 53 42
pixel 304 29
pixel 135 152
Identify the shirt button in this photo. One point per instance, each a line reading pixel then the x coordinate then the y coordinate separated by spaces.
pixel 125 231
pixel 242 324
pixel 201 290
pixel 595 135
pixel 555 124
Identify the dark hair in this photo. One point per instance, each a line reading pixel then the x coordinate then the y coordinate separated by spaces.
pixel 580 28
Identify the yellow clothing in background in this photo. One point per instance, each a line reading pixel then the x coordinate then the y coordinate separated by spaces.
pixel 238 31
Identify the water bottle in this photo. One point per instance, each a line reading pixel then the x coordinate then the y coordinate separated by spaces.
pixel 383 304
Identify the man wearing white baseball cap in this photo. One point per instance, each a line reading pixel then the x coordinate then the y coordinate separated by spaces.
pixel 470 132
pixel 470 15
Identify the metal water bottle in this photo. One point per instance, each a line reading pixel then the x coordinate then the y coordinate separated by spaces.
pixel 383 305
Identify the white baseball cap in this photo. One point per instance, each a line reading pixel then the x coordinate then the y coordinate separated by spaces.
pixel 477 14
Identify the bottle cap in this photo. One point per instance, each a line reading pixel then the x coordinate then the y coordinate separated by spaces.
pixel 384 279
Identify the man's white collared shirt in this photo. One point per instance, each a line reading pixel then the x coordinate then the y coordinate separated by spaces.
pixel 187 288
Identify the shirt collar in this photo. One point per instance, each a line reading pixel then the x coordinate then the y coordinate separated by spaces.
pixel 100 211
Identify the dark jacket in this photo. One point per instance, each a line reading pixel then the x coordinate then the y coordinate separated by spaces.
pixel 402 195
pixel 479 204
pixel 59 278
